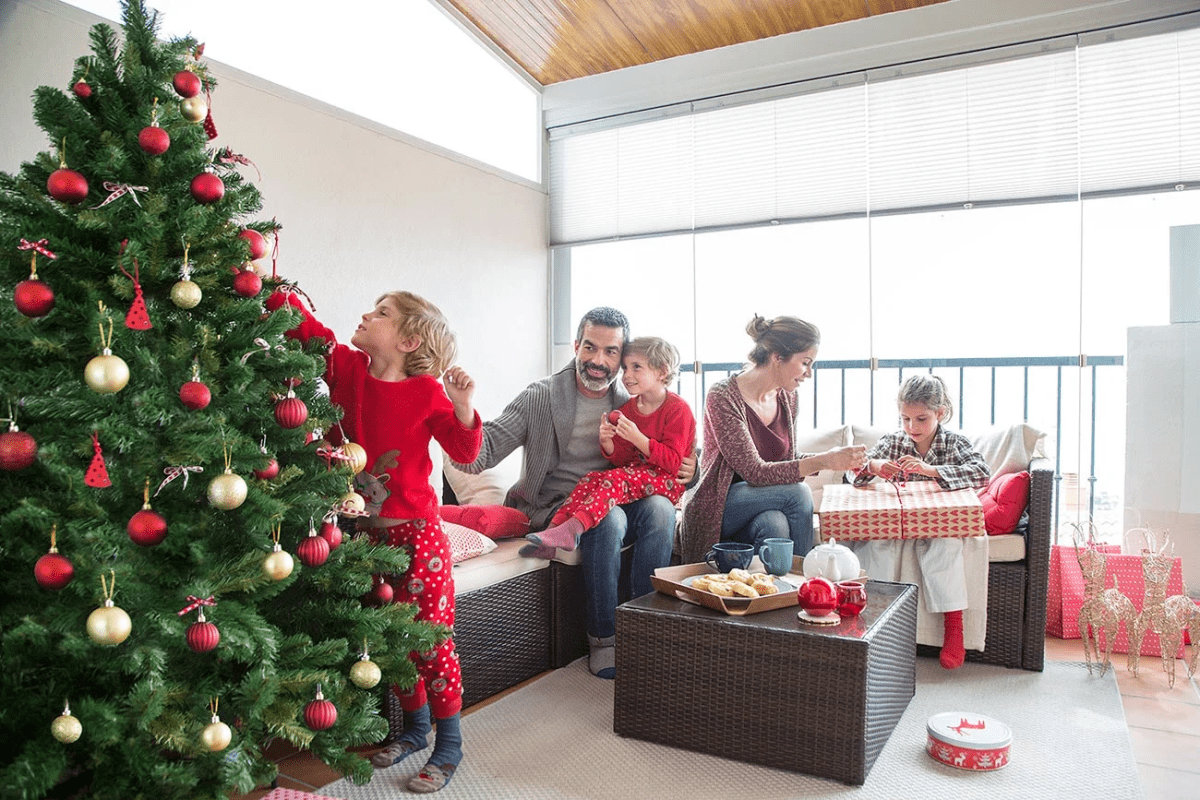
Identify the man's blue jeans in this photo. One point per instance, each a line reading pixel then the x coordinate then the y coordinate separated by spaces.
pixel 755 513
pixel 649 526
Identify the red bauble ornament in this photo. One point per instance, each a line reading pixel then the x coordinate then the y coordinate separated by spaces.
pixel 613 416
pixel 195 395
pixel 33 298
pixel 154 140
pixel 67 185
pixel 332 534
pixel 290 412
pixel 82 90
pixel 202 635
pixel 53 571
pixel 186 83
pixel 17 449
pixel 381 593
pixel 313 551
pixel 147 528
pixel 257 242
pixel 320 714
pixel 269 471
pixel 247 283
pixel 207 188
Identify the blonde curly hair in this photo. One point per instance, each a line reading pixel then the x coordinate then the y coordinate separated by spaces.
pixel 424 320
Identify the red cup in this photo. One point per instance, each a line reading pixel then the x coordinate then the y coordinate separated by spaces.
pixel 851 597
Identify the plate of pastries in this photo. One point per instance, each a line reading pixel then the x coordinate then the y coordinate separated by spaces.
pixel 738 584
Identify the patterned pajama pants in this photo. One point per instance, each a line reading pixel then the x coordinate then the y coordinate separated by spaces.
pixel 597 492
pixel 428 583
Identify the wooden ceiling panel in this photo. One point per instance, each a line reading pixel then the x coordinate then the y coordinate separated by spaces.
pixel 557 40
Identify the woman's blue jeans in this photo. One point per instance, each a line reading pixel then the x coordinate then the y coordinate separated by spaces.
pixel 755 513
pixel 648 525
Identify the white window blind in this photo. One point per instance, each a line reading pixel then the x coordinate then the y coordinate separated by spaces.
pixel 1080 114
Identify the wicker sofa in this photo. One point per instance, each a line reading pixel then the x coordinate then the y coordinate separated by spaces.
pixel 517 617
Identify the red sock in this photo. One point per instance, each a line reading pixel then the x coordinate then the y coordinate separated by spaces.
pixel 953 653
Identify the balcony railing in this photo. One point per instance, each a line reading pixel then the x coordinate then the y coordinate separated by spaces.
pixel 1030 373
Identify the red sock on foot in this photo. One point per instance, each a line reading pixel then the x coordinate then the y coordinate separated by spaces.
pixel 953 653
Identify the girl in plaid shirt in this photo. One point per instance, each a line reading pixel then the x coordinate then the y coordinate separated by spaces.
pixel 924 450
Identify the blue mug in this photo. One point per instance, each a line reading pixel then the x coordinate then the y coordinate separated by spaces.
pixel 776 555
pixel 725 556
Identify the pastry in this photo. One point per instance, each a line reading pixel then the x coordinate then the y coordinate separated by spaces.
pixel 743 589
pixel 739 575
pixel 723 588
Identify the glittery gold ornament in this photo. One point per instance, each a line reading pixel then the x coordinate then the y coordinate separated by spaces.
pixel 66 728
pixel 365 673
pixel 216 735
pixel 227 491
pixel 355 456
pixel 186 294
pixel 193 109
pixel 279 564
pixel 106 374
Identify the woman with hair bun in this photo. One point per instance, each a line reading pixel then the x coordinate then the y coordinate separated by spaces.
pixel 751 484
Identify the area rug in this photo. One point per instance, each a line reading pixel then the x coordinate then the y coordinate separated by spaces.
pixel 553 740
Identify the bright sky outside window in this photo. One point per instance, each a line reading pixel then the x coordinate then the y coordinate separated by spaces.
pixel 401 63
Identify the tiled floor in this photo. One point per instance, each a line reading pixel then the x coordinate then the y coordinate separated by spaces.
pixel 1164 727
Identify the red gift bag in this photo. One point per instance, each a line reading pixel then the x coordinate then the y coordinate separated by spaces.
pixel 1064 596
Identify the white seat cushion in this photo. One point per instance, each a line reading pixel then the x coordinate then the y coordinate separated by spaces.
pixel 499 565
pixel 1006 547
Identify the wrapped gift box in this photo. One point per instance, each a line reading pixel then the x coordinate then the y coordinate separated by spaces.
pixel 917 510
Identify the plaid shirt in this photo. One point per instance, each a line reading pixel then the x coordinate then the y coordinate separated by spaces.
pixel 958 465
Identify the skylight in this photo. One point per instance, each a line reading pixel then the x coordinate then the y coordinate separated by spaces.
pixel 401 63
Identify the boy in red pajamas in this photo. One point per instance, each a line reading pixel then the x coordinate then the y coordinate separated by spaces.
pixel 393 404
pixel 646 440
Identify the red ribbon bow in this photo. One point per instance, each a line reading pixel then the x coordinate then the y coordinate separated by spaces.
pixel 227 156
pixel 39 246
pixel 174 472
pixel 118 189
pixel 195 602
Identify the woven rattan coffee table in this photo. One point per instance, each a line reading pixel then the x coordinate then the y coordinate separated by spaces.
pixel 767 688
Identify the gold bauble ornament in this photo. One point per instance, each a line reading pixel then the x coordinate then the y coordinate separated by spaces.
pixel 216 735
pixel 193 109
pixel 365 673
pixel 279 564
pixel 186 294
pixel 356 456
pixel 106 374
pixel 227 491
pixel 352 502
pixel 66 728
pixel 109 625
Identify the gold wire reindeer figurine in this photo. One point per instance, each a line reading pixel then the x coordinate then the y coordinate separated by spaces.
pixel 1166 616
pixel 1103 610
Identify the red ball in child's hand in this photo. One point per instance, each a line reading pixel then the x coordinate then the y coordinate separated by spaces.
pixel 613 416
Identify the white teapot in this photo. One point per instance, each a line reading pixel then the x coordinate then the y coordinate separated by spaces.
pixel 832 561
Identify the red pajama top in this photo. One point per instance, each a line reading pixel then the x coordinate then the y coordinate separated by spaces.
pixel 392 420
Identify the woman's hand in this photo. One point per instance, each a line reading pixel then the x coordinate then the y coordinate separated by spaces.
pixel 844 458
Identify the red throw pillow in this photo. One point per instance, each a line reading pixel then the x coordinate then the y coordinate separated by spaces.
pixel 1004 500
pixel 494 522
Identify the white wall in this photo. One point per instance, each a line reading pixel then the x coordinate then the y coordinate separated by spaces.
pixel 365 209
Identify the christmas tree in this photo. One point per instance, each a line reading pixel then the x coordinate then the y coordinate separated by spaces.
pixel 162 458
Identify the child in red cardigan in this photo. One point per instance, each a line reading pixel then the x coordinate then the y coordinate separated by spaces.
pixel 646 440
pixel 393 402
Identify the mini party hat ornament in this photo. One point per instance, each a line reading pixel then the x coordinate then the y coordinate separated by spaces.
pixel 216 735
pixel 138 318
pixel 106 373
pixel 186 293
pixel 202 635
pixel 147 527
pixel 279 564
pixel 97 472
pixel 32 297
pixel 227 491
pixel 66 728
pixel 109 625
pixel 53 571
pixel 365 673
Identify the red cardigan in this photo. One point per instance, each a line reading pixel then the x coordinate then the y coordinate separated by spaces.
pixel 671 429
pixel 392 420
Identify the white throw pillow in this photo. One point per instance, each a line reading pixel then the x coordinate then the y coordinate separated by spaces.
pixel 466 543
pixel 489 487
pixel 1008 448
